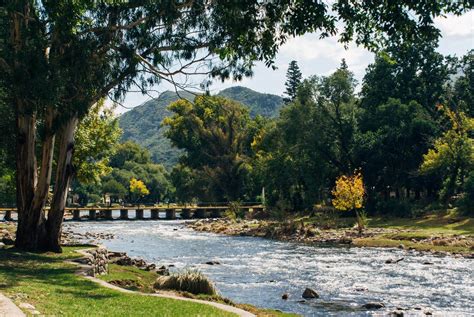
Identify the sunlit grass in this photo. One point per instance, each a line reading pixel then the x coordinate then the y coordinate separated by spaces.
pixel 49 284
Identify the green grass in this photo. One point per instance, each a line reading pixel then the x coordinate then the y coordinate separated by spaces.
pixel 141 280
pixel 444 223
pixel 146 279
pixel 46 282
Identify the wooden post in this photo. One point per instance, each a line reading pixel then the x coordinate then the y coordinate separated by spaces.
pixel 76 215
pixel 139 214
pixel 92 214
pixel 155 214
pixel 124 214
pixel 170 214
pixel 8 215
pixel 108 214
pixel 185 213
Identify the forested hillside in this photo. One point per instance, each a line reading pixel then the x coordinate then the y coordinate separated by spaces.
pixel 142 124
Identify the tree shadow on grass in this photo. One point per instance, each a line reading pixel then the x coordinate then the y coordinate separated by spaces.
pixel 46 270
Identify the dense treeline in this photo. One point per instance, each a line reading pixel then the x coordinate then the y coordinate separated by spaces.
pixel 59 58
pixel 409 131
pixel 413 104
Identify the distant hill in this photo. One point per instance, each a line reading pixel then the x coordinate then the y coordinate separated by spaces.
pixel 142 124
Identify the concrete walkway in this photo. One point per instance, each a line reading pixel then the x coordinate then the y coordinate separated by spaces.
pixel 8 308
pixel 83 272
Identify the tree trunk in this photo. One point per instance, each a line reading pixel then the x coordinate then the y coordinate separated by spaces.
pixel 32 190
pixel 64 174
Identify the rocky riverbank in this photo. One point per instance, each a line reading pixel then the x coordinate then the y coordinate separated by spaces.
pixel 299 231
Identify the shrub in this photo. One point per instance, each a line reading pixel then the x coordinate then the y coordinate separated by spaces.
pixel 193 282
pixel 234 210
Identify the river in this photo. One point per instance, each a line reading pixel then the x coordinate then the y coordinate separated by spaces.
pixel 258 271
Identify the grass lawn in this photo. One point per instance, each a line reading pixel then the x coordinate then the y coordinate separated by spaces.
pixel 456 230
pixel 49 284
pixel 413 232
pixel 132 278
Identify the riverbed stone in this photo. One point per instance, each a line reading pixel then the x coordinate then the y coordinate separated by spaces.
pixel 162 270
pixel 373 305
pixel 8 239
pixel 309 293
pixel 285 296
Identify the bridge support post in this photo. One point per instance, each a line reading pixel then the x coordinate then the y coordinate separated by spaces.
pixel 124 214
pixel 155 214
pixel 76 215
pixel 92 214
pixel 185 213
pixel 108 214
pixel 8 215
pixel 139 214
pixel 200 213
pixel 257 209
pixel 170 214
pixel 216 213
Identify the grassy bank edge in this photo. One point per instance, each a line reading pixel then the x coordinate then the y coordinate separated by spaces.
pixel 50 284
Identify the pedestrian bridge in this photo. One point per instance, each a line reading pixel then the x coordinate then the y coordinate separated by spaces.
pixel 138 212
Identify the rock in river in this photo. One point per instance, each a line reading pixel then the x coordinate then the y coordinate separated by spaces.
pixel 309 293
pixel 373 306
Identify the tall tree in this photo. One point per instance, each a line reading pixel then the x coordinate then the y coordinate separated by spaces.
pixel 61 57
pixel 215 133
pixel 312 142
pixel 293 80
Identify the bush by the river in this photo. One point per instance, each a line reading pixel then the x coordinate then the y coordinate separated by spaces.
pixel 193 282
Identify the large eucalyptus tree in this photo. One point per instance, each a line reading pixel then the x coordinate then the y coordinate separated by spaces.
pixel 59 57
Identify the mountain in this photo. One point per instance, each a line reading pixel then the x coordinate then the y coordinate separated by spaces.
pixel 142 124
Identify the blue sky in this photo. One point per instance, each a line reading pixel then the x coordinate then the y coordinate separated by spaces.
pixel 322 57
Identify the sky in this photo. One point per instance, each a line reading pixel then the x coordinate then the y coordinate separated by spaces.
pixel 322 57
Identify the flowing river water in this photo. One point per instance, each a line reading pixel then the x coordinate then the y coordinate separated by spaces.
pixel 258 271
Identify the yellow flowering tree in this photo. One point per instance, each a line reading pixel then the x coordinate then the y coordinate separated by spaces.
pixel 138 188
pixel 349 195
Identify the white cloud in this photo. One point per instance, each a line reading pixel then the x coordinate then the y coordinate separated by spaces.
pixel 452 25
pixel 310 47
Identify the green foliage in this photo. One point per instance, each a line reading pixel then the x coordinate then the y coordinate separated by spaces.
pixel 463 90
pixel 311 143
pixel 468 199
pixel 216 134
pixel 132 161
pixel 7 188
pixel 114 189
pixel 96 140
pixel 395 207
pixel 452 155
pixel 293 80
pixel 142 124
pixel 392 149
